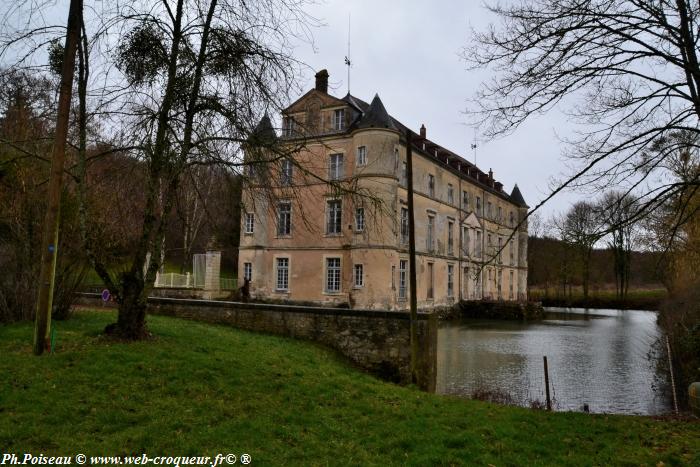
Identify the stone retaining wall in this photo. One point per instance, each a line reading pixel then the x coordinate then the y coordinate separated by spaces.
pixel 377 341
pixel 483 309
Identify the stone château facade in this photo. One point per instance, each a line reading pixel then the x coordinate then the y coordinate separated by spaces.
pixel 346 242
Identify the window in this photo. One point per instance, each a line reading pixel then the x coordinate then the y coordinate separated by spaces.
pixel 284 218
pixel 396 158
pixel 450 238
pixel 489 286
pixel 339 119
pixel 478 244
pixel 248 271
pixel 499 283
pixel 477 288
pixel 431 186
pixel 362 155
pixel 510 286
pixel 249 222
pixel 403 276
pixel 465 282
pixel 334 209
pixel 500 213
pixel 431 233
pixel 450 280
pixel 465 200
pixel 359 275
pixel 478 204
pixel 465 240
pixel 335 167
pixel 512 219
pixel 332 275
pixel 404 225
pixel 360 219
pixel 288 126
pixel 282 274
pixel 404 174
pixel 393 279
pixel 489 209
pixel 430 281
pixel 511 253
pixel 450 194
pixel 286 174
pixel 500 250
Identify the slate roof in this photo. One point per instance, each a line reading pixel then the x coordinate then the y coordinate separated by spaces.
pixel 375 115
pixel 263 133
pixel 517 197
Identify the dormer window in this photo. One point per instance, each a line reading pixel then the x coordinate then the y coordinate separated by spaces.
pixel 288 128
pixel 339 119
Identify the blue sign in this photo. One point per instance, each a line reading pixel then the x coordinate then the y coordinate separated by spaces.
pixel 105 295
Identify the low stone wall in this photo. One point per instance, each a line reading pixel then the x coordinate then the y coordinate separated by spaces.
pixel 377 341
pixel 482 309
pixel 178 292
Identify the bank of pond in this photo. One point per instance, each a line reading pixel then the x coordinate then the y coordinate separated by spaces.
pixel 599 360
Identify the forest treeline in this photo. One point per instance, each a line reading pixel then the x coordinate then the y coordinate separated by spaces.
pixel 553 268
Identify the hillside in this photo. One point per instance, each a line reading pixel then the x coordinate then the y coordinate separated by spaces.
pixel 200 389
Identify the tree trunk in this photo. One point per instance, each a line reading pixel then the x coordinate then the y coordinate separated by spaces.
pixel 49 243
pixel 131 320
pixel 586 273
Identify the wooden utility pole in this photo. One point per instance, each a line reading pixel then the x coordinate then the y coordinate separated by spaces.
pixel 49 242
pixel 412 260
pixel 546 384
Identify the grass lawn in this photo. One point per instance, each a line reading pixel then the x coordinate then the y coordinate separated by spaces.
pixel 202 389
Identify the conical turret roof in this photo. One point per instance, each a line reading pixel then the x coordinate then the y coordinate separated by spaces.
pixel 517 197
pixel 263 133
pixel 376 116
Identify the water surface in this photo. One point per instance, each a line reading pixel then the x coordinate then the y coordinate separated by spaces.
pixel 596 357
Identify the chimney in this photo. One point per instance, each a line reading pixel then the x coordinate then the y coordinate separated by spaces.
pixel 322 81
pixel 422 131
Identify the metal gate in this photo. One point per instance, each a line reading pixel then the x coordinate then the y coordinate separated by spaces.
pixel 199 268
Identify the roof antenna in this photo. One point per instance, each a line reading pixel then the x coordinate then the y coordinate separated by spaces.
pixel 474 146
pixel 348 63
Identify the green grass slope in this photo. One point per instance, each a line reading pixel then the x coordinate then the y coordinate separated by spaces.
pixel 201 389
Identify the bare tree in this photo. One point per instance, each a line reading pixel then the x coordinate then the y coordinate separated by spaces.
pixel 617 211
pixel 627 70
pixel 168 85
pixel 580 228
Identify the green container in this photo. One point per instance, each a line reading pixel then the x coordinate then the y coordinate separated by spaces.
pixel 694 398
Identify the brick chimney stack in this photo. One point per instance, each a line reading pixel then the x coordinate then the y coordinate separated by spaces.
pixel 422 131
pixel 322 81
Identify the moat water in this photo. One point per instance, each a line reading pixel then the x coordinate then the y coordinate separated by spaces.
pixel 602 358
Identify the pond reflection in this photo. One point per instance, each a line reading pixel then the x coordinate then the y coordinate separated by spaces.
pixel 596 357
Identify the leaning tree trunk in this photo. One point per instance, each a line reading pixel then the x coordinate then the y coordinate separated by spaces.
pixel 163 178
pixel 131 320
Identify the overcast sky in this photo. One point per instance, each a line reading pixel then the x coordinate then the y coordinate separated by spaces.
pixel 407 51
